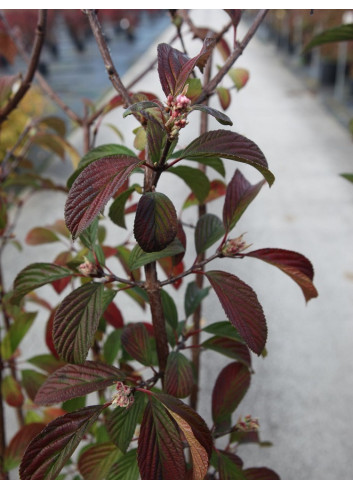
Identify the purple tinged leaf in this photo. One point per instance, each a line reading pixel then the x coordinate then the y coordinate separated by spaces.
pixel 178 375
pixel 76 321
pixel 156 138
pixel 18 444
pixel 35 276
pixel 195 430
pixel 49 451
pixel 219 116
pixel 261 473
pixel 140 107
pixel 11 391
pixel 242 308
pixel 240 193
pixel 230 145
pixel 73 381
pixel 156 222
pixel 136 341
pixel 40 235
pixel 174 67
pixel 297 266
pixel 230 388
pixel 229 466
pixel 227 346
pixel 93 188
pixel 96 462
pixel 160 450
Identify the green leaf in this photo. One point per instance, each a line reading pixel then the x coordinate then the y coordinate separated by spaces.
pixel 178 375
pixel 60 439
pixel 89 236
pixel 194 178
pixel 122 422
pixel 139 107
pixel 213 162
pixel 112 346
pixel 32 381
pixel 347 176
pixel 16 333
pixel 125 468
pixel 74 404
pixel 219 116
pixel 139 258
pixel 224 329
pixel 76 321
pixel 35 276
pixel 46 362
pixel 73 381
pixel 156 222
pixel 96 154
pixel 230 145
pixel 117 209
pixel 228 470
pixel 335 34
pixel 96 462
pixel 169 309
pixel 209 229
pixel 193 297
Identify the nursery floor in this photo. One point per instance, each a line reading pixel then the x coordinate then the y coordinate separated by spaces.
pixel 302 392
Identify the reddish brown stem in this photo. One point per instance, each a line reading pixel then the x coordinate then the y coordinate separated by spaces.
pixel 238 51
pixel 32 66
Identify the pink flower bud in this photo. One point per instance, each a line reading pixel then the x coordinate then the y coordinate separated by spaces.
pixel 123 396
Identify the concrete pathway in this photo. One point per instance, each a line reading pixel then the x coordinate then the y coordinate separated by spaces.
pixel 302 392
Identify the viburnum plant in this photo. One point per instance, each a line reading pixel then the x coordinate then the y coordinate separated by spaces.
pixel 141 370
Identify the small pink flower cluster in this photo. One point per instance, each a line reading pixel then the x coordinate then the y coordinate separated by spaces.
pixel 178 108
pixel 122 397
pixel 88 269
pixel 248 424
pixel 234 246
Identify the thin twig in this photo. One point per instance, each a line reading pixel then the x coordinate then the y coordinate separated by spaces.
pixel 238 51
pixel 104 50
pixel 32 66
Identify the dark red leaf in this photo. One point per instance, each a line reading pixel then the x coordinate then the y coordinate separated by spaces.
pixel 242 308
pixel 230 387
pixel 178 375
pixel 195 431
pixel 297 266
pixel 230 145
pixel 73 381
pixel 156 222
pixel 230 348
pixel 93 188
pixel 49 451
pixel 240 193
pixel 224 49
pixel 76 321
pixel 62 283
pixel 261 473
pixel 113 316
pixel 96 462
pixel 49 335
pixel 18 444
pixel 160 450
pixel 174 67
pixel 135 339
